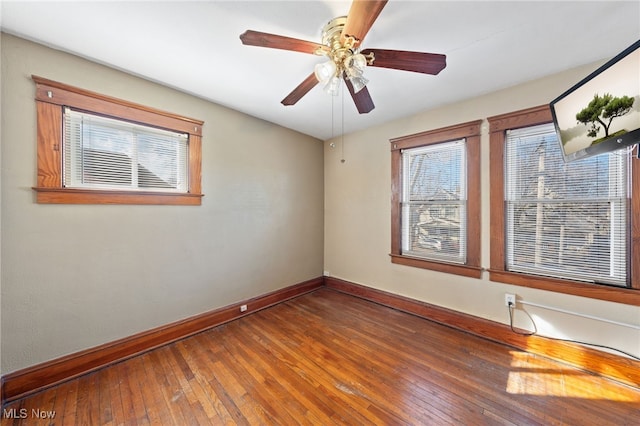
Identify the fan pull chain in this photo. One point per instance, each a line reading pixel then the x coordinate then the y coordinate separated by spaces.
pixel 333 117
pixel 342 160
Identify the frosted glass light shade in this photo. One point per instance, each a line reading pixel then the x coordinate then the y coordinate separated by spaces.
pixel 325 71
pixel 355 64
pixel 333 86
pixel 358 83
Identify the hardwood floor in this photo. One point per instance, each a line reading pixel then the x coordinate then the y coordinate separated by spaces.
pixel 329 358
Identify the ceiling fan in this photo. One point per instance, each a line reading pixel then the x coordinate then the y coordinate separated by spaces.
pixel 341 43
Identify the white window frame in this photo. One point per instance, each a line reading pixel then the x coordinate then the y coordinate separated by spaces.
pixel 410 229
pixel 545 178
pixel 84 131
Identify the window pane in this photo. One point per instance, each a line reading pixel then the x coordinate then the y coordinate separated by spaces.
pixel 161 162
pixel 565 220
pixel 100 153
pixel 434 202
pixel 435 231
pixel 106 155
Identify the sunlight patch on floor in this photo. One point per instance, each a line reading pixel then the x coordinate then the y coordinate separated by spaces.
pixel 550 384
pixel 532 375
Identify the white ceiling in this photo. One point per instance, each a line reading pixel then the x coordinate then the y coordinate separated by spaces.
pixel 194 46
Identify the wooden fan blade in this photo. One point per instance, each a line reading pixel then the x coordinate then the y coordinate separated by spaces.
pixel 362 99
pixel 256 38
pixel 302 89
pixel 361 17
pixel 426 63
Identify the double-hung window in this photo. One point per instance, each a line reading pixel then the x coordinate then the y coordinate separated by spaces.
pixel 436 200
pixel 565 220
pixel 564 227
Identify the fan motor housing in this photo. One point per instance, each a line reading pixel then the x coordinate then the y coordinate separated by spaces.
pixel 332 31
pixel 332 38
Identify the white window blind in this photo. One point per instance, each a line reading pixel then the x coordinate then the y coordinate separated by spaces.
pixel 104 153
pixel 565 220
pixel 434 202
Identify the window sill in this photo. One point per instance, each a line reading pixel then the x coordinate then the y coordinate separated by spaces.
pixel 90 196
pixel 449 268
pixel 622 295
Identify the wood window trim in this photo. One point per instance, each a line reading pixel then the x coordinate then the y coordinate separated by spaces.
pixel 498 125
pixel 52 97
pixel 471 132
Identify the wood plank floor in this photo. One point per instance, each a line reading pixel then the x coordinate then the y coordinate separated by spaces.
pixel 328 358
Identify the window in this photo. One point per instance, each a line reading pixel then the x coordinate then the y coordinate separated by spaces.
pixel 103 153
pixel 436 200
pixel 564 227
pixel 93 149
pixel 564 220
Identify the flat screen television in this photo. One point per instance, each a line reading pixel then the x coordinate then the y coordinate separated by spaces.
pixel 601 113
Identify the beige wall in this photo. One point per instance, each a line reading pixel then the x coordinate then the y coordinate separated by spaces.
pixel 357 225
pixel 76 276
pixel 73 277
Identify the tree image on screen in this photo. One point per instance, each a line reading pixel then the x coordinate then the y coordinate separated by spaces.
pixel 601 111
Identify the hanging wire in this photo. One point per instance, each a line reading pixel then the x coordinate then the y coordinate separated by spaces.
pixel 342 160
pixel 527 333
pixel 332 144
pixel 332 117
pixel 512 307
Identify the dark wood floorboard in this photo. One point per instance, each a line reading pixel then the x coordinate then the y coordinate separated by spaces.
pixel 328 358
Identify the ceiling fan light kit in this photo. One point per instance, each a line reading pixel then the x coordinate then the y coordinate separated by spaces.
pixel 341 40
pixel 325 71
pixel 344 58
pixel 332 86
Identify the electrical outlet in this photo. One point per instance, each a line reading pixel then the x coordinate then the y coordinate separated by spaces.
pixel 510 299
pixel 243 308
